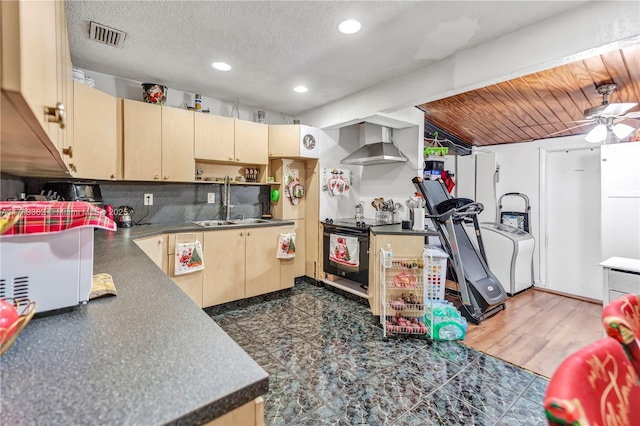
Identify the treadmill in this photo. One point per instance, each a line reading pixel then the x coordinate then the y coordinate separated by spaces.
pixel 481 293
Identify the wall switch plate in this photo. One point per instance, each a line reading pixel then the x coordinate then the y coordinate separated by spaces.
pixel 211 197
pixel 148 199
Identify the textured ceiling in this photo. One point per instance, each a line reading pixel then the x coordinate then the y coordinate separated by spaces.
pixel 540 105
pixel 276 45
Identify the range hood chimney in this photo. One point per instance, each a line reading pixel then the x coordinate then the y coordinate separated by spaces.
pixel 378 147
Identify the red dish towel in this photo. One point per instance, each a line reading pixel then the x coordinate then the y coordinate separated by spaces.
pixel 43 217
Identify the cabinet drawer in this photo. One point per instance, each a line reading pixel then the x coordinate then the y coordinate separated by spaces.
pixel 624 282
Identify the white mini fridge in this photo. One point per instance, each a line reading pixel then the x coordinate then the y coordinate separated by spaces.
pixel 509 253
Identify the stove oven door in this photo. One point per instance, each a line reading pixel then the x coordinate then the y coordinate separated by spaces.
pixel 359 274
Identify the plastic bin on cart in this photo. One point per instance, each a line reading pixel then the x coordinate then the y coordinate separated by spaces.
pixel 435 273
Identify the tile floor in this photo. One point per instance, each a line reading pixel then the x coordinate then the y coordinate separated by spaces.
pixel 329 364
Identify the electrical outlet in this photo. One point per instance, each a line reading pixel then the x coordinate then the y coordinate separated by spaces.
pixel 211 197
pixel 148 199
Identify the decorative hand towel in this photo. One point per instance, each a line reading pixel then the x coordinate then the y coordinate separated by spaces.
pixel 345 251
pixel 102 285
pixel 287 245
pixel 188 258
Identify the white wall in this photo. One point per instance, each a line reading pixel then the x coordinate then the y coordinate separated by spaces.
pixel 390 181
pixel 131 89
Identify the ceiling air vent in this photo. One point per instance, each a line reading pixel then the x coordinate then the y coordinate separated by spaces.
pixel 106 35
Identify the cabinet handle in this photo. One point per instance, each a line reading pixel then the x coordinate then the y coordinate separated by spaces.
pixel 242 234
pixel 56 115
pixel 73 167
pixel 166 177
pixel 230 158
pixel 248 233
pixel 68 151
pixel 156 177
pixel 237 159
pixel 113 176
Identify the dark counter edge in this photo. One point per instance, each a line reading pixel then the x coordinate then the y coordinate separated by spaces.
pixel 242 396
pixel 396 229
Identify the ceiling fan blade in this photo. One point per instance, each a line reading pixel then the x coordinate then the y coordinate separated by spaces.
pixel 617 108
pixel 634 114
pixel 566 130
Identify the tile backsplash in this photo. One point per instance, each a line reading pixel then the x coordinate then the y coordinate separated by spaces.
pixel 172 202
pixel 175 202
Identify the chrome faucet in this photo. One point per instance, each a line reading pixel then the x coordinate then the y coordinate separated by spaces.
pixel 227 197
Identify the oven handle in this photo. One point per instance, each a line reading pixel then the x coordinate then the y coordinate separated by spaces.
pixel 346 234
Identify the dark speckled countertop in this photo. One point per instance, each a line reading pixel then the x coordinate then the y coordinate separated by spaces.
pixel 147 356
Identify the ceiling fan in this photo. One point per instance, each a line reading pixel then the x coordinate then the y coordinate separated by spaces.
pixel 607 117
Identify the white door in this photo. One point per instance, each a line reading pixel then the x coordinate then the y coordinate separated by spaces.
pixel 572 188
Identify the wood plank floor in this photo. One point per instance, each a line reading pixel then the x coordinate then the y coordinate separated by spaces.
pixel 537 330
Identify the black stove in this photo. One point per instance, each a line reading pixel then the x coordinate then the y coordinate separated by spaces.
pixel 351 222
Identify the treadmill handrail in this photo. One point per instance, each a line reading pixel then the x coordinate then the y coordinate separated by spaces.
pixel 468 210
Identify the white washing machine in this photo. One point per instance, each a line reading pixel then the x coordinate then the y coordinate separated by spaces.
pixel 509 253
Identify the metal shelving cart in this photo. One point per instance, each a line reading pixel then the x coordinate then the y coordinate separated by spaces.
pixel 402 294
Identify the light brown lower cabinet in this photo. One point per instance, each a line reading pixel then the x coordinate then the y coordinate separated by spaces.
pixel 156 248
pixel 401 245
pixel 240 263
pixel 250 414
pixel 224 259
pixel 190 283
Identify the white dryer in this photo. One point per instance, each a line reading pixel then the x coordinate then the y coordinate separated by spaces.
pixel 509 252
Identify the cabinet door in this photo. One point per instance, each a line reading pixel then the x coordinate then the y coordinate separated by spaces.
pixel 224 271
pixel 292 268
pixel 214 137
pixel 262 266
pixel 142 127
pixel 30 57
pixel 154 247
pixel 95 150
pixel 251 142
pixel 284 140
pixel 178 163
pixel 65 85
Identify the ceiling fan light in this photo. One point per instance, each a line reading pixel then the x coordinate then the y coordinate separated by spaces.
pixel 597 134
pixel 622 130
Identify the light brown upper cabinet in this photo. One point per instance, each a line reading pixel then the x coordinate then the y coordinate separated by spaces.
pixel 178 164
pixel 251 142
pixel 36 79
pixel 214 137
pixel 95 129
pixel 293 141
pixel 158 143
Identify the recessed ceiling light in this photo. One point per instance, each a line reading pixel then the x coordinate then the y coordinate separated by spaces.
pixel 221 66
pixel 350 26
pixel 300 89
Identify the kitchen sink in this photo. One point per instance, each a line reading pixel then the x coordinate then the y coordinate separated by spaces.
pixel 212 223
pixel 216 223
pixel 249 221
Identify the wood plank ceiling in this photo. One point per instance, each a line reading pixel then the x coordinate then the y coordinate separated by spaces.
pixel 537 105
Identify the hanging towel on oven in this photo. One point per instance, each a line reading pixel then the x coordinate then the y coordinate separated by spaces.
pixel 287 245
pixel 188 258
pixel 344 251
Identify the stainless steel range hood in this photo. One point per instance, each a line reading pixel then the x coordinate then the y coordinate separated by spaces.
pixel 378 147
